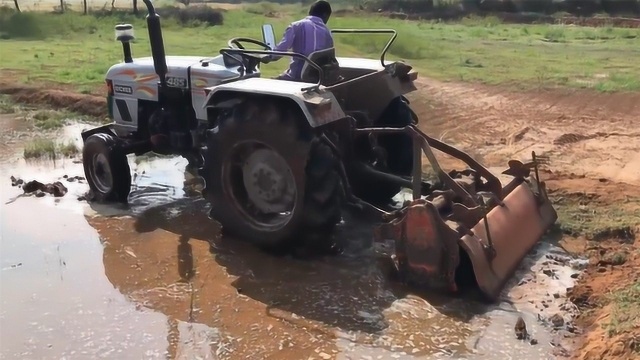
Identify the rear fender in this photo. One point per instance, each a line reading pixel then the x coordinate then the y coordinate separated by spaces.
pixel 371 93
pixel 319 107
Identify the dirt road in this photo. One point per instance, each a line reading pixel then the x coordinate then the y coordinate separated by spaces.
pixel 156 279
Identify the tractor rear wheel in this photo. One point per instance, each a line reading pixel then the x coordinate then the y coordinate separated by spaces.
pixel 106 168
pixel 269 179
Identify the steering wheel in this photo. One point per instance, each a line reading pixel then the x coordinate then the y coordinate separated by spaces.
pixel 251 61
pixel 235 43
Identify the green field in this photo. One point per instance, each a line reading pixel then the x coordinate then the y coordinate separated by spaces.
pixel 77 49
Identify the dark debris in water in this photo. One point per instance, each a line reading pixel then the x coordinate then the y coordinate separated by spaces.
pixel 39 189
pixel 16 181
pixel 74 178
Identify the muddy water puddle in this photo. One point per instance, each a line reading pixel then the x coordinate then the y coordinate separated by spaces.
pixel 155 279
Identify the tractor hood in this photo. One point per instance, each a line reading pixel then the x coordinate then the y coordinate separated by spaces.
pixel 141 70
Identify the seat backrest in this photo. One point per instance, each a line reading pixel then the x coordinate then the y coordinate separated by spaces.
pixel 326 59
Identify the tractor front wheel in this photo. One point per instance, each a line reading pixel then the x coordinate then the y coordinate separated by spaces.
pixel 269 179
pixel 106 168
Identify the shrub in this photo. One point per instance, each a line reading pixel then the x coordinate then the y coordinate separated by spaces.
pixel 193 15
pixel 406 6
pixel 537 6
pixel 20 25
pixel 621 7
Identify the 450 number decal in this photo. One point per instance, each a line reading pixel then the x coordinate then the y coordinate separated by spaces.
pixel 176 82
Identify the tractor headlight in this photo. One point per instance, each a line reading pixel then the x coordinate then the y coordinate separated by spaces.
pixel 124 32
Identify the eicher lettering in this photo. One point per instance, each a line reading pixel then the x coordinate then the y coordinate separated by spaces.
pixel 122 89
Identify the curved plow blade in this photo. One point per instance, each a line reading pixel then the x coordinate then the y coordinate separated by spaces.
pixel 427 245
pixel 513 230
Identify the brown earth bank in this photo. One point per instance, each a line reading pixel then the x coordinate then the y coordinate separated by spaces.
pixel 591 144
pixel 56 98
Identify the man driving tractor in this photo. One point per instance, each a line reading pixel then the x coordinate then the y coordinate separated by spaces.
pixel 304 37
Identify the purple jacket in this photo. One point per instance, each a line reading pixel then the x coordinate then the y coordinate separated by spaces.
pixel 304 37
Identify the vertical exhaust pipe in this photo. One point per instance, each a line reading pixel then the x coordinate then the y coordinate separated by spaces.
pixel 157 44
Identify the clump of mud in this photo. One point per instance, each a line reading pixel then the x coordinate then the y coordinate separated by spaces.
pixel 39 189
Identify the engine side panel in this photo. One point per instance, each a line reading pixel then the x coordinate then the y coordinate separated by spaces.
pixel 138 81
pixel 205 76
pixel 319 107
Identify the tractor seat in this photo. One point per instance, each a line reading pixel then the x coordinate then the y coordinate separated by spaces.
pixel 326 59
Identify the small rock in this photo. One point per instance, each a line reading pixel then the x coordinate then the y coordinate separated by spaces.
pixel 557 320
pixel 571 328
pixel 617 348
pixel 71 179
pixel 614 259
pixel 556 295
pixel 520 329
pixel 602 269
pixel 575 275
pixel 40 193
pixel 560 351
pixel 65 176
pixel 325 355
pixel 579 264
pixel 550 273
pixel 533 342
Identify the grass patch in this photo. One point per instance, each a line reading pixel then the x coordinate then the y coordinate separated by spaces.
pixel 49 119
pixel 625 313
pixel 7 105
pixel 75 49
pixel 587 216
pixel 49 149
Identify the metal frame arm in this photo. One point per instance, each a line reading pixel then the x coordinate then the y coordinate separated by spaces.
pixel 425 143
pixel 394 35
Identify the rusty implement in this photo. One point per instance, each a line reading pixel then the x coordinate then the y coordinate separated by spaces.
pixel 471 223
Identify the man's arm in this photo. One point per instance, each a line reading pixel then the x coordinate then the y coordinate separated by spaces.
pixel 286 43
pixel 330 38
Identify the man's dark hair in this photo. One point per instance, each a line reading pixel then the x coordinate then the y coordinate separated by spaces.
pixel 321 9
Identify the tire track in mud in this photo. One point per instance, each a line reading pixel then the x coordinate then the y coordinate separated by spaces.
pixel 580 131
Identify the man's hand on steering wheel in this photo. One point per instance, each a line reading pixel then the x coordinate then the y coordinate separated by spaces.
pixel 265 59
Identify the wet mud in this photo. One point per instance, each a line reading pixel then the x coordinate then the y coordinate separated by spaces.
pixel 157 279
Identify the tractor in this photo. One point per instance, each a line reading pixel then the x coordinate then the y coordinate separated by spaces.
pixel 281 160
